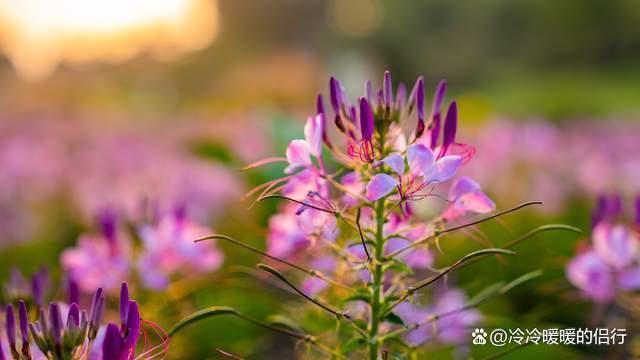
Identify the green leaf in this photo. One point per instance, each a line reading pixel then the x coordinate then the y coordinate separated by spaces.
pixel 202 315
pixel 394 319
pixel 359 295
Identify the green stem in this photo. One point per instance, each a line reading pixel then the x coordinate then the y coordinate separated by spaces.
pixel 376 303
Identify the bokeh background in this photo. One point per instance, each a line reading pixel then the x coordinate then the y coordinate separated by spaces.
pixel 103 104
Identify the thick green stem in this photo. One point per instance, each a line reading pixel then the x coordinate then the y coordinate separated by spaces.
pixel 376 302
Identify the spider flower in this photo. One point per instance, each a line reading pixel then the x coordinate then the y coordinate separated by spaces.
pixel 169 249
pixel 612 263
pixel 99 260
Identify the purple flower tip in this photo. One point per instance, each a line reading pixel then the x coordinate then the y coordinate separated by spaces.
pixel 439 97
pixel 73 318
pixel 112 344
pixel 366 119
pixel 11 325
pixel 387 89
pixel 320 105
pixel 124 302
pixel 637 208
pixel 24 322
pixel 420 106
pixel 334 94
pixel 368 90
pixel 133 326
pixel 55 316
pixel 450 125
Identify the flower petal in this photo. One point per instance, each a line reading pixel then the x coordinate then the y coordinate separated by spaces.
pixel 630 279
pixel 396 162
pixel 592 275
pixel 420 159
pixel 475 201
pixel 461 186
pixel 313 135
pixel 297 155
pixel 443 169
pixel 615 244
pixel 380 186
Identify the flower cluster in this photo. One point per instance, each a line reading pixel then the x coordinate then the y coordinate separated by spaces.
pixel 363 213
pixel 105 259
pixel 66 331
pixel 556 163
pixel 611 264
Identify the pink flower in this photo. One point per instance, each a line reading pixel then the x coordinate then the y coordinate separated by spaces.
pixel 97 262
pixel 592 275
pixel 169 248
pixel 615 244
pixel 299 151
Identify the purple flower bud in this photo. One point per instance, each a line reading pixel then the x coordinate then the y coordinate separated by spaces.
pixel 24 322
pixel 133 326
pixel 607 208
pixel 401 96
pixel 107 221
pixel 96 313
pixel 450 126
pixel 438 97
pixel 11 326
pixel 124 302
pixel 55 316
pixel 74 292
pixel 637 209
pixel 334 95
pixel 323 122
pixel 368 91
pixel 320 104
pixel 435 131
pixel 420 106
pixel 73 318
pixel 387 89
pixel 39 284
pixel 366 119
pixel 112 344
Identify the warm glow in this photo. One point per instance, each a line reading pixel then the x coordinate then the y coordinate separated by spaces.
pixel 36 35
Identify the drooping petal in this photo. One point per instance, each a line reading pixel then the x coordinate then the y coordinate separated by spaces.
pixel 461 186
pixel 592 275
pixel 366 119
pixel 630 279
pixel 298 155
pixel 313 135
pixel 420 159
pixel 380 186
pixel 444 169
pixel 615 244
pixel 475 201
pixel 395 162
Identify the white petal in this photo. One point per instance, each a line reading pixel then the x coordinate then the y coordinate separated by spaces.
pixel 380 186
pixel 420 158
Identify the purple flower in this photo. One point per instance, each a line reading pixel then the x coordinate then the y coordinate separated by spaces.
pixel 387 89
pixel 299 151
pixel 592 275
pixel 616 245
pixel 169 249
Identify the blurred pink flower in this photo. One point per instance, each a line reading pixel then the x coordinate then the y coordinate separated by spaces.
pixel 169 248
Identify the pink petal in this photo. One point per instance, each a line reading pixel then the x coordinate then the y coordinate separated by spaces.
pixel 298 155
pixel 592 275
pixel 313 135
pixel 443 169
pixel 615 245
pixel 630 279
pixel 476 202
pixel 461 186
pixel 380 186
pixel 396 162
pixel 420 158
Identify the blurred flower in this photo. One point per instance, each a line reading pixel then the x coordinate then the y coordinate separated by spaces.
pixel 169 249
